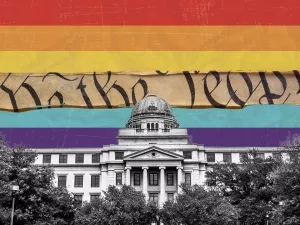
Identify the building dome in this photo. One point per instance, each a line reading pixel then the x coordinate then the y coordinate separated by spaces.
pixel 154 107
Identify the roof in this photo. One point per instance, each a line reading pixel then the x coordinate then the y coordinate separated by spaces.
pixel 152 104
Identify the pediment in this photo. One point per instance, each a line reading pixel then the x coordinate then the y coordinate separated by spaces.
pixel 153 153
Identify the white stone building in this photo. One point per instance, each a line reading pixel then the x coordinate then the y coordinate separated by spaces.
pixel 153 155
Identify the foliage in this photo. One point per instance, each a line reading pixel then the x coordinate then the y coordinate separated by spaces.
pixel 248 186
pixel 286 179
pixel 118 206
pixel 195 205
pixel 38 201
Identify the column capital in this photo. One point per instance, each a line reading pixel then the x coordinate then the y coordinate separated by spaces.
pixel 162 167
pixel 145 167
pixel 127 168
pixel 179 167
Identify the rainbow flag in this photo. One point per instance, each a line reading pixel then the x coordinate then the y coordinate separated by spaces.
pixel 122 35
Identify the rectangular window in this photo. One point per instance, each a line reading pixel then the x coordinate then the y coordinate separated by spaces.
pixel 188 179
pixel 293 156
pixel 119 155
pixel 119 178
pixel 78 181
pixel 187 154
pixel 211 157
pixel 170 197
pixel 153 179
pixel 94 197
pixel 95 181
pixel 243 157
pixel 261 155
pixel 277 155
pixel 170 179
pixel 96 158
pixel 63 158
pixel 137 179
pixel 153 197
pixel 79 158
pixel 46 158
pixel 78 198
pixel 62 181
pixel 227 157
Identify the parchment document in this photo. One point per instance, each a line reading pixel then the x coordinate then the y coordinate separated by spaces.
pixel 186 89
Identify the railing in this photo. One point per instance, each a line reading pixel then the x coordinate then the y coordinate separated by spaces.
pixel 132 132
pixel 152 130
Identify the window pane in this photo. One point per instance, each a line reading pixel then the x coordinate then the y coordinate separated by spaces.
pixel 170 179
pixel 94 196
pixel 78 181
pixel 187 154
pixel 137 179
pixel 170 197
pixel 62 181
pixel 96 158
pixel 63 158
pixel 227 157
pixel 118 178
pixel 119 155
pixel 95 181
pixel 78 198
pixel 153 179
pixel 210 157
pixel 277 155
pixel 47 158
pixel 188 179
pixel 243 157
pixel 79 158
pixel 293 156
pixel 153 197
pixel 261 155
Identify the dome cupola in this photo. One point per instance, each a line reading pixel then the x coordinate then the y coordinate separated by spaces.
pixel 149 110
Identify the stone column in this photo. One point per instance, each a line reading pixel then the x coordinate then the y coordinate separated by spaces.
pixel 162 186
pixel 145 181
pixel 128 175
pixel 202 171
pixel 179 178
pixel 104 181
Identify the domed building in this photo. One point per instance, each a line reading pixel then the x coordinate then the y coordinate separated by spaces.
pixel 153 155
pixel 152 113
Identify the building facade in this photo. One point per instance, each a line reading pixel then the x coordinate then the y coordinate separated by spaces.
pixel 153 155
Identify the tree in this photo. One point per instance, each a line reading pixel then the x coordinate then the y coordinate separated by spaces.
pixel 38 201
pixel 118 206
pixel 287 186
pixel 248 186
pixel 197 206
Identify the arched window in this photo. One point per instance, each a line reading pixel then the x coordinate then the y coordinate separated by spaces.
pixel 152 126
pixel 148 126
pixel 156 126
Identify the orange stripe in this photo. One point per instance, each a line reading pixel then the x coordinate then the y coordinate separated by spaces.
pixel 149 38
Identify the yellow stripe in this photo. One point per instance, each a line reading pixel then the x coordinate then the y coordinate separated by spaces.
pixel 82 61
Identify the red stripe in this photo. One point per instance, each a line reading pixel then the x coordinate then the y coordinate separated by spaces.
pixel 149 12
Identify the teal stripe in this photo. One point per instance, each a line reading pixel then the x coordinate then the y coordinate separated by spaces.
pixel 251 116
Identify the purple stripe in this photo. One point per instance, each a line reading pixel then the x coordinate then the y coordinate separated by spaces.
pixel 97 137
